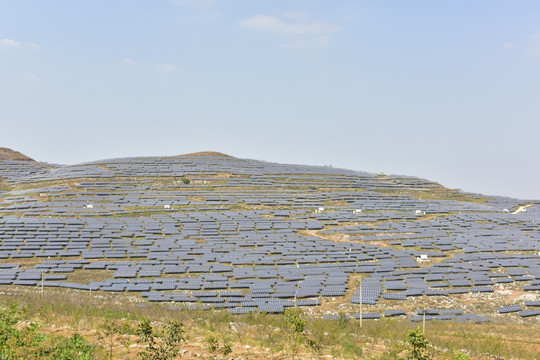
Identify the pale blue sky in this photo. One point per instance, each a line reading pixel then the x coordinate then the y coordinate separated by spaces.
pixel 448 91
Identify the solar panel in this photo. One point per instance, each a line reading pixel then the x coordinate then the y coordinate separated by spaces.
pixel 509 309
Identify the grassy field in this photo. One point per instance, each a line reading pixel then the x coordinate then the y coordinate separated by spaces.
pixel 109 321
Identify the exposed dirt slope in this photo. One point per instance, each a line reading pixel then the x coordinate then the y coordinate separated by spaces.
pixel 8 154
pixel 208 154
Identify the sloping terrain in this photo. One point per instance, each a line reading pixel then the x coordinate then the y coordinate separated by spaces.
pixel 207 153
pixel 217 232
pixel 8 154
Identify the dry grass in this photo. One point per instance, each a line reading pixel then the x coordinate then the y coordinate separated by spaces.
pixel 436 193
pixel 206 154
pixel 88 276
pixel 257 336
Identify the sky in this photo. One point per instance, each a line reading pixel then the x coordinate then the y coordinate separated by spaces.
pixel 446 90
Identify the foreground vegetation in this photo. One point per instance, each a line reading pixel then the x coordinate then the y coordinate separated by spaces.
pixel 67 325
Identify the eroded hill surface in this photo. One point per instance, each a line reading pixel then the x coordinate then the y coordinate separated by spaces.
pixel 8 154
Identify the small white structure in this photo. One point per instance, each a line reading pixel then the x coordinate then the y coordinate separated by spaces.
pixel 319 210
pixel 420 212
pixel 356 211
pixel 166 207
pixel 89 206
pixel 422 258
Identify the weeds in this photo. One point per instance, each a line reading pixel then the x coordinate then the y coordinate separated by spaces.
pixel 268 334
pixel 22 339
pixel 215 346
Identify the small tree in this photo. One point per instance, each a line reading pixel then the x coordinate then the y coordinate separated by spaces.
pixel 110 328
pixel 314 345
pixel 174 334
pixel 226 348
pixel 148 337
pixel 296 325
pixel 163 346
pixel 215 346
pixel 343 320
pixel 419 347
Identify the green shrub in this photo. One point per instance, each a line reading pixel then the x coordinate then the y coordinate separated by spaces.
pixel 212 344
pixel 29 342
pixel 75 347
pixel 351 348
pixel 461 356
pixel 296 325
pixel 419 347
pixel 162 346
pixel 215 346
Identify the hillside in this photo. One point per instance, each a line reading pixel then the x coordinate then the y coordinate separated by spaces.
pixel 209 236
pixel 207 154
pixel 8 154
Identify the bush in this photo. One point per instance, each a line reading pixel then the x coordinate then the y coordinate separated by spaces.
pixel 29 342
pixel 162 346
pixel 214 346
pixel 76 347
pixel 419 347
pixel 461 356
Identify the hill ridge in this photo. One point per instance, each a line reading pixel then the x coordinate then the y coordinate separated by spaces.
pixel 206 154
pixel 9 154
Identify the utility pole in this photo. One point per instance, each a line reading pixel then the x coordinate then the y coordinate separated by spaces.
pixel 424 322
pixel 361 304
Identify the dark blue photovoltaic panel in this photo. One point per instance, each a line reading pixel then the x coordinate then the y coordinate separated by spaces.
pixel 245 232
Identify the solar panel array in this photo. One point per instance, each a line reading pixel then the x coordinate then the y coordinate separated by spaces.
pixel 255 236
